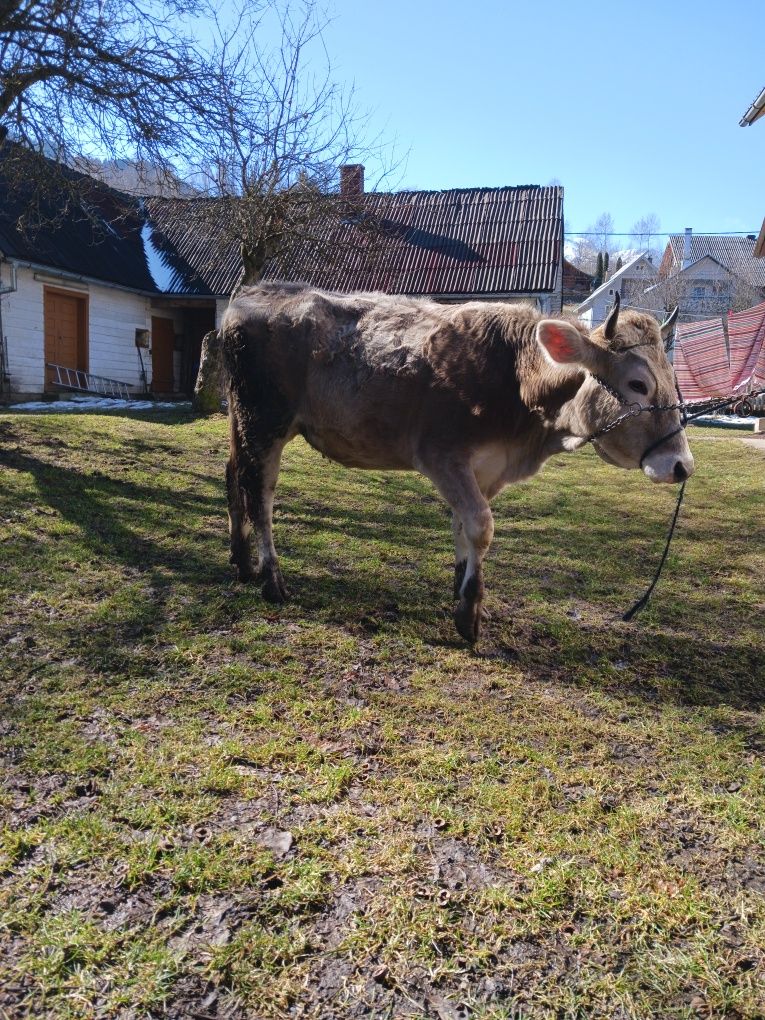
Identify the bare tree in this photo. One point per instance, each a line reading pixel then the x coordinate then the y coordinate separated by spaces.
pixel 280 131
pixel 583 254
pixel 99 78
pixel 646 236
pixel 282 128
pixel 602 233
pixel 598 239
pixel 259 129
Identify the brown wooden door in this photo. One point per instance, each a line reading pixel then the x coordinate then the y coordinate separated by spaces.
pixel 162 345
pixel 65 331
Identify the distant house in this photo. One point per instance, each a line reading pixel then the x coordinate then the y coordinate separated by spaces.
pixel 712 273
pixel 629 283
pixel 125 288
pixel 577 284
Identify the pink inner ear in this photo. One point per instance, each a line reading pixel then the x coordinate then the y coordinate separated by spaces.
pixel 559 344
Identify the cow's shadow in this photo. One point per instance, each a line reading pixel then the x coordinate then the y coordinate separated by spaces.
pixel 412 598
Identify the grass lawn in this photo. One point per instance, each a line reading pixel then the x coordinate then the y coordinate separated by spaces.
pixel 215 808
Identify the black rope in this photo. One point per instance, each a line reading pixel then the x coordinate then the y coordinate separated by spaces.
pixel 703 407
pixel 643 600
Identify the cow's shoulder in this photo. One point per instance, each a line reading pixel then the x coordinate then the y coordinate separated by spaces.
pixel 480 349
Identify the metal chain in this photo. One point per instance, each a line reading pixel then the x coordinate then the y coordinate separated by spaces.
pixel 634 409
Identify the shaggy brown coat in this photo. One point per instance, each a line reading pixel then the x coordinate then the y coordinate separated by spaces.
pixel 473 396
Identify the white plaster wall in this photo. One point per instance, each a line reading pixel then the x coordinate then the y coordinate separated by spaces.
pixel 22 317
pixel 113 317
pixel 587 318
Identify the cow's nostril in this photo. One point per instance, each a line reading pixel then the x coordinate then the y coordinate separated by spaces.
pixel 680 472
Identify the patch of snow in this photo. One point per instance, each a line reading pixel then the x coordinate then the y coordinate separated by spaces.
pixel 101 404
pixel 727 419
pixel 163 275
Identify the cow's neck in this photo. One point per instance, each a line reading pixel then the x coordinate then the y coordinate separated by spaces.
pixel 557 394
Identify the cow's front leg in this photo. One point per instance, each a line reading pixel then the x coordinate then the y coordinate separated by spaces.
pixel 478 525
pixel 460 553
pixel 456 483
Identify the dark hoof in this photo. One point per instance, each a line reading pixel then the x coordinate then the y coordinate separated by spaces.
pixel 240 560
pixel 459 577
pixel 467 618
pixel 274 588
pixel 244 570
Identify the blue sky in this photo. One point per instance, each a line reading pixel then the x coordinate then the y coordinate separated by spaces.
pixel 634 107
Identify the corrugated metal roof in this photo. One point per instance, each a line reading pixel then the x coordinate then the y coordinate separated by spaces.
pixel 467 241
pixel 735 253
pixel 190 235
pixel 97 235
pixel 458 242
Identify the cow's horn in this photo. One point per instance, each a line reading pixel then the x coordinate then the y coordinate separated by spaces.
pixel 669 324
pixel 610 327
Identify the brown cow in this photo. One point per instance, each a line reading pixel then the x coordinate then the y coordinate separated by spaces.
pixel 473 396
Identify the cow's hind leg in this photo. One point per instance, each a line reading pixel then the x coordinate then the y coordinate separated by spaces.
pixel 251 476
pixel 239 526
pixel 259 484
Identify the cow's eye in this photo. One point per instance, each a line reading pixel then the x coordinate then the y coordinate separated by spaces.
pixel 639 386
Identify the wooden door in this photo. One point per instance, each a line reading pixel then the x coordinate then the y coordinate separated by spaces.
pixel 162 346
pixel 65 318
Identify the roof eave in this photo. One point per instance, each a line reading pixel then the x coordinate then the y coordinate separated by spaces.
pixel 71 277
pixel 759 244
pixel 755 111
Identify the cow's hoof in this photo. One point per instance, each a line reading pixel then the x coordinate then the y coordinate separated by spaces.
pixel 274 588
pixel 244 572
pixel 459 576
pixel 467 618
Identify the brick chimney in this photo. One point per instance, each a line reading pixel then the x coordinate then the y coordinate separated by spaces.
pixel 351 180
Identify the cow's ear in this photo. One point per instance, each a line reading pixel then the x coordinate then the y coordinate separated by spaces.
pixel 564 344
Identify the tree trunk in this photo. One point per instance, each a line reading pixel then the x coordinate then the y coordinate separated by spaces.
pixel 210 386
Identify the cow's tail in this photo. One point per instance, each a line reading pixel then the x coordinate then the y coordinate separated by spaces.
pixel 233 348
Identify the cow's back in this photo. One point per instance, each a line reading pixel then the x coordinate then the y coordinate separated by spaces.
pixel 368 377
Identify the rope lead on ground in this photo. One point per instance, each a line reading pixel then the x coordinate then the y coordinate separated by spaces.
pixel 643 600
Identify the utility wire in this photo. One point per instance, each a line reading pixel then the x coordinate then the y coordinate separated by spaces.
pixel 659 233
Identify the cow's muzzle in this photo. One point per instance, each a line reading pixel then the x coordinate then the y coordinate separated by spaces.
pixel 668 466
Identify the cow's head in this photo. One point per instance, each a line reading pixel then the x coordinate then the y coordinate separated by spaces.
pixel 627 353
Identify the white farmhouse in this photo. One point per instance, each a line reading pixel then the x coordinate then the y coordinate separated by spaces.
pixel 629 283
